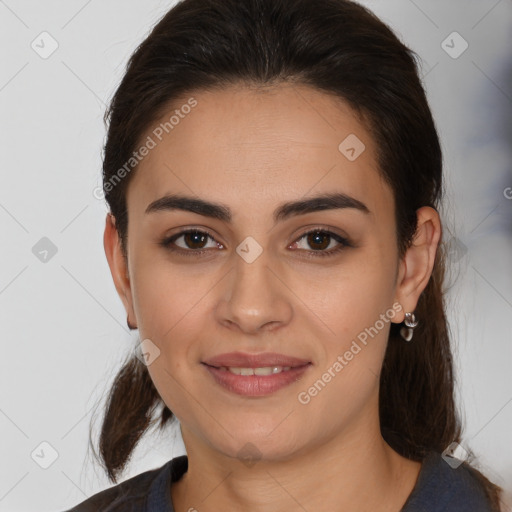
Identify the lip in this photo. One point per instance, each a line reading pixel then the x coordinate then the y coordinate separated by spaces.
pixel 244 360
pixel 255 385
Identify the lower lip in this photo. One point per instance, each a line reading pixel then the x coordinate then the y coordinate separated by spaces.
pixel 256 385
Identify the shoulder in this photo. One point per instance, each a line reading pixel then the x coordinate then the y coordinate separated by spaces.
pixel 127 496
pixel 447 487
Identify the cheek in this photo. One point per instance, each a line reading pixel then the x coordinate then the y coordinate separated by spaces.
pixel 167 298
pixel 346 380
pixel 168 307
pixel 350 297
pixel 355 303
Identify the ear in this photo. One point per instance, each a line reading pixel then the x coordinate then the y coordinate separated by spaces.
pixel 118 267
pixel 416 266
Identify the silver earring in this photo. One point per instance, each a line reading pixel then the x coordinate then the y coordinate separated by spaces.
pixel 407 331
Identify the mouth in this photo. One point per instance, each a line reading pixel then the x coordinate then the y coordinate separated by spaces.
pixel 255 374
pixel 261 371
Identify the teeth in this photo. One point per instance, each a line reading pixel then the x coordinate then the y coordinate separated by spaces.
pixel 267 370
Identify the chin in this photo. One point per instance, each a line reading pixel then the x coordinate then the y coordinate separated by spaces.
pixel 253 445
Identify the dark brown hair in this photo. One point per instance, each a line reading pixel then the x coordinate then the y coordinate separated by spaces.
pixel 340 48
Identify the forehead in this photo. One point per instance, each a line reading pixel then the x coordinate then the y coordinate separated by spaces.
pixel 268 145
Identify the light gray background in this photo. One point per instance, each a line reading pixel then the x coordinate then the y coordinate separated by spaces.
pixel 63 325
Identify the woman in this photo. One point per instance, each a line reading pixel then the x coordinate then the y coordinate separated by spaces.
pixel 274 177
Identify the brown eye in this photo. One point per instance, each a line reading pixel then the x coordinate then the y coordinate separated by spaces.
pixel 193 242
pixel 195 239
pixel 317 241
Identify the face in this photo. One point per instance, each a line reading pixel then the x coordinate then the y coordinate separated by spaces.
pixel 253 281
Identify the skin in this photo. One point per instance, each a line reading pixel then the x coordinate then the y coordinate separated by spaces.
pixel 251 150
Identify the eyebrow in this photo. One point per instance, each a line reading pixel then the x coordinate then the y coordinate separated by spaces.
pixel 284 211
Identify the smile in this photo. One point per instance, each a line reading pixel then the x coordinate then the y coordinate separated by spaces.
pixel 265 370
pixel 255 382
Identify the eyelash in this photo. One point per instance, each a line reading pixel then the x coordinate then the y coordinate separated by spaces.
pixel 343 243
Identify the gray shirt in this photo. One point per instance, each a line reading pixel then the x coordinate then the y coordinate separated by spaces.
pixel 439 488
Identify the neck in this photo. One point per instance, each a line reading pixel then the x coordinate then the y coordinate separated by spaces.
pixel 354 470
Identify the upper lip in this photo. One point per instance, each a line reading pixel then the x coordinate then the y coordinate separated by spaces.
pixel 241 360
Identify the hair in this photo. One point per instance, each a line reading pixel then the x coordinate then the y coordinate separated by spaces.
pixel 340 48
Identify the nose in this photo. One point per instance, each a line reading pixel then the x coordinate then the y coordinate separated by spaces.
pixel 255 297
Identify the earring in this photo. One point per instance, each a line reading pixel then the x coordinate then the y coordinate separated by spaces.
pixel 411 322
